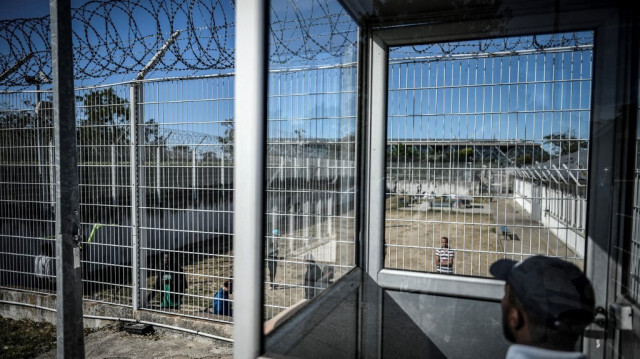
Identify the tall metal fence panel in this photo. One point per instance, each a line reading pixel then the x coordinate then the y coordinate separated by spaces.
pixel 155 161
pixel 155 180
pixel 103 142
pixel 185 177
pixel 27 194
pixel 487 148
pixel 310 184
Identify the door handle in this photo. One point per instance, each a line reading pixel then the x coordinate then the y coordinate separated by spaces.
pixel 623 315
pixel 598 330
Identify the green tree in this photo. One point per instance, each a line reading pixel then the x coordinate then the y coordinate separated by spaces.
pixel 17 135
pixel 565 143
pixel 105 113
pixel 523 160
pixel 402 152
pixel 105 122
pixel 227 140
pixel 465 154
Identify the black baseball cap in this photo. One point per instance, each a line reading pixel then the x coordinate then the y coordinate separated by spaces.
pixel 550 288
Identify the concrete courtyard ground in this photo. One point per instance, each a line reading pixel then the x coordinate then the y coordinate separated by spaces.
pixel 114 343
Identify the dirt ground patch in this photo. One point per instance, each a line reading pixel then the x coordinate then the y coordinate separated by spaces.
pixel 330 242
pixel 413 232
pixel 411 238
pixel 25 338
pixel 29 339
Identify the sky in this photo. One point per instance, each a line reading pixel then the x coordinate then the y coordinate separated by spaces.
pixel 445 99
pixel 15 9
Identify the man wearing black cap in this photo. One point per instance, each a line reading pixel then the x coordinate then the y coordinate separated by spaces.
pixel 547 304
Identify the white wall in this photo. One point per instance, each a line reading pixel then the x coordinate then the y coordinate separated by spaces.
pixel 562 213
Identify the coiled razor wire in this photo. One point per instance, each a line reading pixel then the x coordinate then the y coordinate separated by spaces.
pixel 119 37
pixel 114 37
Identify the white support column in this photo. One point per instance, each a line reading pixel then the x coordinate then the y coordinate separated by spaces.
pixel 249 158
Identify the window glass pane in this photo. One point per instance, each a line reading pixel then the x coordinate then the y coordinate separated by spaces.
pixel 633 281
pixel 487 146
pixel 311 142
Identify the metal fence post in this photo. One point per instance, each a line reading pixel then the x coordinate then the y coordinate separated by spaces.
pixel 70 329
pixel 137 198
pixel 141 209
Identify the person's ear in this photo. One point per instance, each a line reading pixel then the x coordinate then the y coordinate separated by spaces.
pixel 519 320
pixel 514 318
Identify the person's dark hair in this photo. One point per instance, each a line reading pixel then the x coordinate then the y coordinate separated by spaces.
pixel 47 249
pixel 559 335
pixel 228 285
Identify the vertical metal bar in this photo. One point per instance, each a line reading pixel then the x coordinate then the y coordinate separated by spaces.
pixel 194 177
pixel 114 179
pixel 158 174
pixel 249 158
pixel 141 252
pixel 135 184
pixel 69 286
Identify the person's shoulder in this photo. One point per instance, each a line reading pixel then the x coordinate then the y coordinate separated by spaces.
pixel 519 351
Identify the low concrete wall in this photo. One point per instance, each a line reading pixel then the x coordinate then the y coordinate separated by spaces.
pixel 575 240
pixel 23 305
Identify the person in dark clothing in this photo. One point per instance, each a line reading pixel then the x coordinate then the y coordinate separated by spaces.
pixel 273 254
pixel 327 277
pixel 170 281
pixel 311 277
pixel 221 302
pixel 547 304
